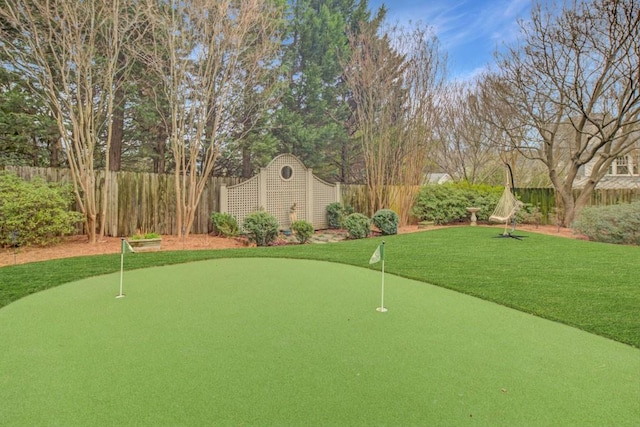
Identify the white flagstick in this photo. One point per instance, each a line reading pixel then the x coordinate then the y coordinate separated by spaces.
pixel 382 308
pixel 121 295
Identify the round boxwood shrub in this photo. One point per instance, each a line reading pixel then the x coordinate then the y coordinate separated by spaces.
pixel 303 230
pixel 261 227
pixel 224 224
pixel 34 213
pixel 336 214
pixel 358 225
pixel 386 220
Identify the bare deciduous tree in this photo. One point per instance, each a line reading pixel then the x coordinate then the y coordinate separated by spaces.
pixel 502 123
pixel 467 145
pixel 393 82
pixel 424 79
pixel 69 51
pixel 574 85
pixel 374 77
pixel 205 53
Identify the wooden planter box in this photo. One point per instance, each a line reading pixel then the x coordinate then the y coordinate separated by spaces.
pixel 145 244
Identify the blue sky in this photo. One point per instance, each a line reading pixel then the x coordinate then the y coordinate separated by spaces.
pixel 469 30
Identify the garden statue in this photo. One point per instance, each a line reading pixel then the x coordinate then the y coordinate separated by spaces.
pixel 292 214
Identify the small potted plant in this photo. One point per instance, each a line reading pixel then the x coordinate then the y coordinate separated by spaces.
pixel 144 242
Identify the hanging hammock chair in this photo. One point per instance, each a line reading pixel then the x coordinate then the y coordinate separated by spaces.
pixel 507 208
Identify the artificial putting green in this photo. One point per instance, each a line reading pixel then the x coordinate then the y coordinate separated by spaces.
pixel 294 342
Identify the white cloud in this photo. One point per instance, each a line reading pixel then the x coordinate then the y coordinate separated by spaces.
pixel 469 30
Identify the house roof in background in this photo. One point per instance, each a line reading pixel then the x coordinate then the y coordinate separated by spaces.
pixel 437 178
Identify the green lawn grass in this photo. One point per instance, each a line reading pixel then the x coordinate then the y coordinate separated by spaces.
pixel 591 286
pixel 298 342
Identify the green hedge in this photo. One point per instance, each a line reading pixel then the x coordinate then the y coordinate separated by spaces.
pixel 448 203
pixel 618 224
pixel 34 213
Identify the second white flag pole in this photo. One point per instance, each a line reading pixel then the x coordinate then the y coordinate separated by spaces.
pixel 378 255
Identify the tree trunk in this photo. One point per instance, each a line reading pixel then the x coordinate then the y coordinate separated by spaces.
pixel 115 153
pixel 91 225
pixel 54 152
pixel 571 206
pixel 34 151
pixel 246 163
pixel 159 164
pixel 179 201
pixel 343 162
pixel 580 202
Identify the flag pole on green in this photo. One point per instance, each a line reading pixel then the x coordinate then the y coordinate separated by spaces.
pixel 378 256
pixel 124 248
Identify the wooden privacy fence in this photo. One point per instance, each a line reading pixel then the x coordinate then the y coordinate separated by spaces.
pixel 543 198
pixel 146 202
pixel 355 195
pixel 139 202
pixel 614 196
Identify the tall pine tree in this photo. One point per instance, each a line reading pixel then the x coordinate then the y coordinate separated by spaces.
pixel 313 119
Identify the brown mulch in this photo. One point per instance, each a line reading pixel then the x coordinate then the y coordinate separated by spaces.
pixel 79 246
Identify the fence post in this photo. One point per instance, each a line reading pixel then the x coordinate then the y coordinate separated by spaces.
pixel 224 199
pixel 310 201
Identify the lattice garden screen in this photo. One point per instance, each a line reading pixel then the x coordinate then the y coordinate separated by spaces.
pixel 281 184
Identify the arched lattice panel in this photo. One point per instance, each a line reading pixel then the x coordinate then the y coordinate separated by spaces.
pixel 280 185
pixel 286 184
pixel 242 199
pixel 323 195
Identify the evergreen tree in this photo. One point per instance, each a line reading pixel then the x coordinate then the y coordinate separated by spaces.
pixel 28 133
pixel 312 123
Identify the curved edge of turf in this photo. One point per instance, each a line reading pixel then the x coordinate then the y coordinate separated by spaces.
pixel 426 257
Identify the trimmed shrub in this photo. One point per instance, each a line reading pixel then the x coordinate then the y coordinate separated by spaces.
pixel 386 220
pixel 303 230
pixel 224 224
pixel 358 225
pixel 441 204
pixel 529 214
pixel 448 203
pixel 34 213
pixel 336 214
pixel 261 227
pixel 619 224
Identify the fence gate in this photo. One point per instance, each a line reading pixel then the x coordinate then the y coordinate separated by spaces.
pixel 277 187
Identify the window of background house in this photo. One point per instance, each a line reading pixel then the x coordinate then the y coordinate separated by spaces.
pixel 622 166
